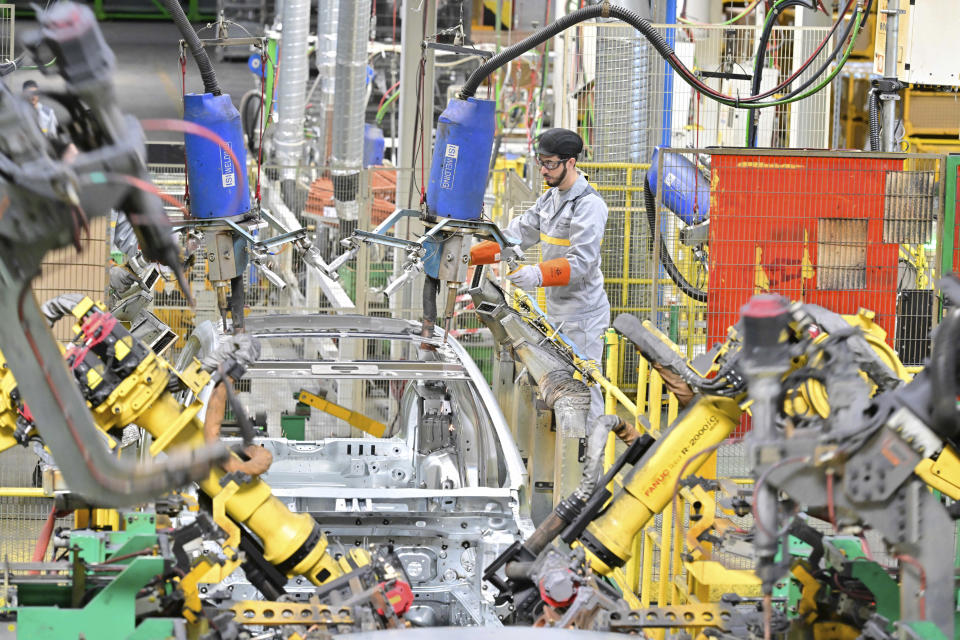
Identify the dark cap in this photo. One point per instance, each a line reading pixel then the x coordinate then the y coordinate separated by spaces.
pixel 559 142
pixel 30 87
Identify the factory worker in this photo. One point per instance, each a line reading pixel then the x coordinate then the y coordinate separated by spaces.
pixel 47 121
pixel 46 116
pixel 568 221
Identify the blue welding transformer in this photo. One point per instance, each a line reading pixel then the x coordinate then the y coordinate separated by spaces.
pixel 461 159
pixel 211 173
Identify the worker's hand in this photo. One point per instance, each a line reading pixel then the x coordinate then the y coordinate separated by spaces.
pixel 527 277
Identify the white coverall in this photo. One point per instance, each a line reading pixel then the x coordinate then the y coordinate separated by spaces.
pixel 570 226
pixel 47 120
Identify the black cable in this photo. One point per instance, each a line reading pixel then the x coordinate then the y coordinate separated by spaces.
pixel 760 58
pixel 819 72
pixel 823 67
pixel 542 35
pixel 249 121
pixel 699 295
pixel 640 24
pixel 196 47
pixel 943 375
pixel 833 56
pixel 758 61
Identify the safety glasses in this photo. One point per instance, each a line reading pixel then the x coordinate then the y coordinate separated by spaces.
pixel 550 164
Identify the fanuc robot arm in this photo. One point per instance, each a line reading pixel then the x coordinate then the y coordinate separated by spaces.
pixel 716 410
pixel 124 382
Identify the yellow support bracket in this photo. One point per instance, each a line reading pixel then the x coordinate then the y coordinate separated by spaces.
pixel 174 430
pixel 619 577
pixel 206 570
pixel 941 474
pixel 353 418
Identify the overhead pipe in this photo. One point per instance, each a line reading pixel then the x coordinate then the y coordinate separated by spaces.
pixel 328 12
pixel 349 109
pixel 292 85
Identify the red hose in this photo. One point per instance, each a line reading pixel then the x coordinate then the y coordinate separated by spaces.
pixel 40 549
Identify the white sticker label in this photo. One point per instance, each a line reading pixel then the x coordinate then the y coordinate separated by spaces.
pixel 228 174
pixel 449 170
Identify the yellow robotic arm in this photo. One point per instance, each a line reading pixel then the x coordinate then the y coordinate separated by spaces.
pixel 649 487
pixel 126 383
pixel 712 416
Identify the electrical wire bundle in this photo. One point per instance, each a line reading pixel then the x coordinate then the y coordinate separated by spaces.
pixel 853 26
pixel 755 101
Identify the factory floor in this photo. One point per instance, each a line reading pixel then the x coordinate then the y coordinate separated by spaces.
pixel 148 79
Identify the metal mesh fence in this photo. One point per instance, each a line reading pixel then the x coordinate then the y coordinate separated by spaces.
pixel 68 270
pixel 624 99
pixel 7 31
pixel 21 518
pixel 845 231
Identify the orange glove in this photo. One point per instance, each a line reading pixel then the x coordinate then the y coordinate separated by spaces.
pixel 487 252
pixel 556 272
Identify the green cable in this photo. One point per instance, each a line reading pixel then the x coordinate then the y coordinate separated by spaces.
pixel 717 24
pixel 829 78
pixel 35 67
pixel 766 24
pixel 383 108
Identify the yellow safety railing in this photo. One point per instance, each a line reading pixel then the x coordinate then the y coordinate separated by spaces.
pixel 24 492
pixel 630 191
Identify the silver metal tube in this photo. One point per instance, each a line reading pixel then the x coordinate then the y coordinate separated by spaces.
pixel 890 71
pixel 349 107
pixel 593 456
pixel 763 391
pixel 328 12
pixel 419 20
pixel 292 89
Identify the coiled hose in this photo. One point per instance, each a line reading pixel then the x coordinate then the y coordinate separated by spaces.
pixel 874 110
pixel 207 73
pixel 650 203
